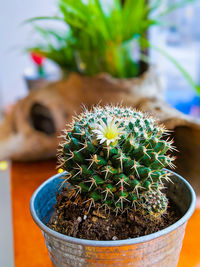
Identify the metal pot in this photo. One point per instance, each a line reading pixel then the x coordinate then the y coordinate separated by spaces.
pixel 160 249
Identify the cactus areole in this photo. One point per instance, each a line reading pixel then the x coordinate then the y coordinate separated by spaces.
pixel 115 159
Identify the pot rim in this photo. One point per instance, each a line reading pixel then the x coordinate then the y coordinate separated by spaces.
pixel 111 243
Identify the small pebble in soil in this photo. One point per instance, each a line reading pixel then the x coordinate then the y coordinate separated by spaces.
pixel 114 238
pixel 79 219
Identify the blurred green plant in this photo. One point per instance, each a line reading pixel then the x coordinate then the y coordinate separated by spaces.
pixel 104 36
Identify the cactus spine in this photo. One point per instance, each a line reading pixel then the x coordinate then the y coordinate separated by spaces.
pixel 115 158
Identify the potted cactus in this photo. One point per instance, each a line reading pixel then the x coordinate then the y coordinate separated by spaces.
pixel 113 203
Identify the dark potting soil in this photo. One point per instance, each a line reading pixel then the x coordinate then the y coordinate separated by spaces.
pixel 73 220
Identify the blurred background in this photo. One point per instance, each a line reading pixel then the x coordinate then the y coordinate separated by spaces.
pixel 180 37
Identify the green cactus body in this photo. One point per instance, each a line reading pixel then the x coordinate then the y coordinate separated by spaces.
pixel 115 157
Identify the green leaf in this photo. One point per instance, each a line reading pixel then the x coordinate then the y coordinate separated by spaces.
pixel 41 18
pixel 101 35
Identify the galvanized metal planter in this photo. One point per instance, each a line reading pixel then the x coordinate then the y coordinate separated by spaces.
pixel 160 249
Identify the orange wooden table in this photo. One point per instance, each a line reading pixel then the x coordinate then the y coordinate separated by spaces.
pixel 29 246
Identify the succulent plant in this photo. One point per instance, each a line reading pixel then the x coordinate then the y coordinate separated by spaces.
pixel 98 36
pixel 115 159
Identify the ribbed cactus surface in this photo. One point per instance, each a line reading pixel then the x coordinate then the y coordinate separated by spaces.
pixel 115 157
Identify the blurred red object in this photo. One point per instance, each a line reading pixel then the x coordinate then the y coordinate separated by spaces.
pixel 37 58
